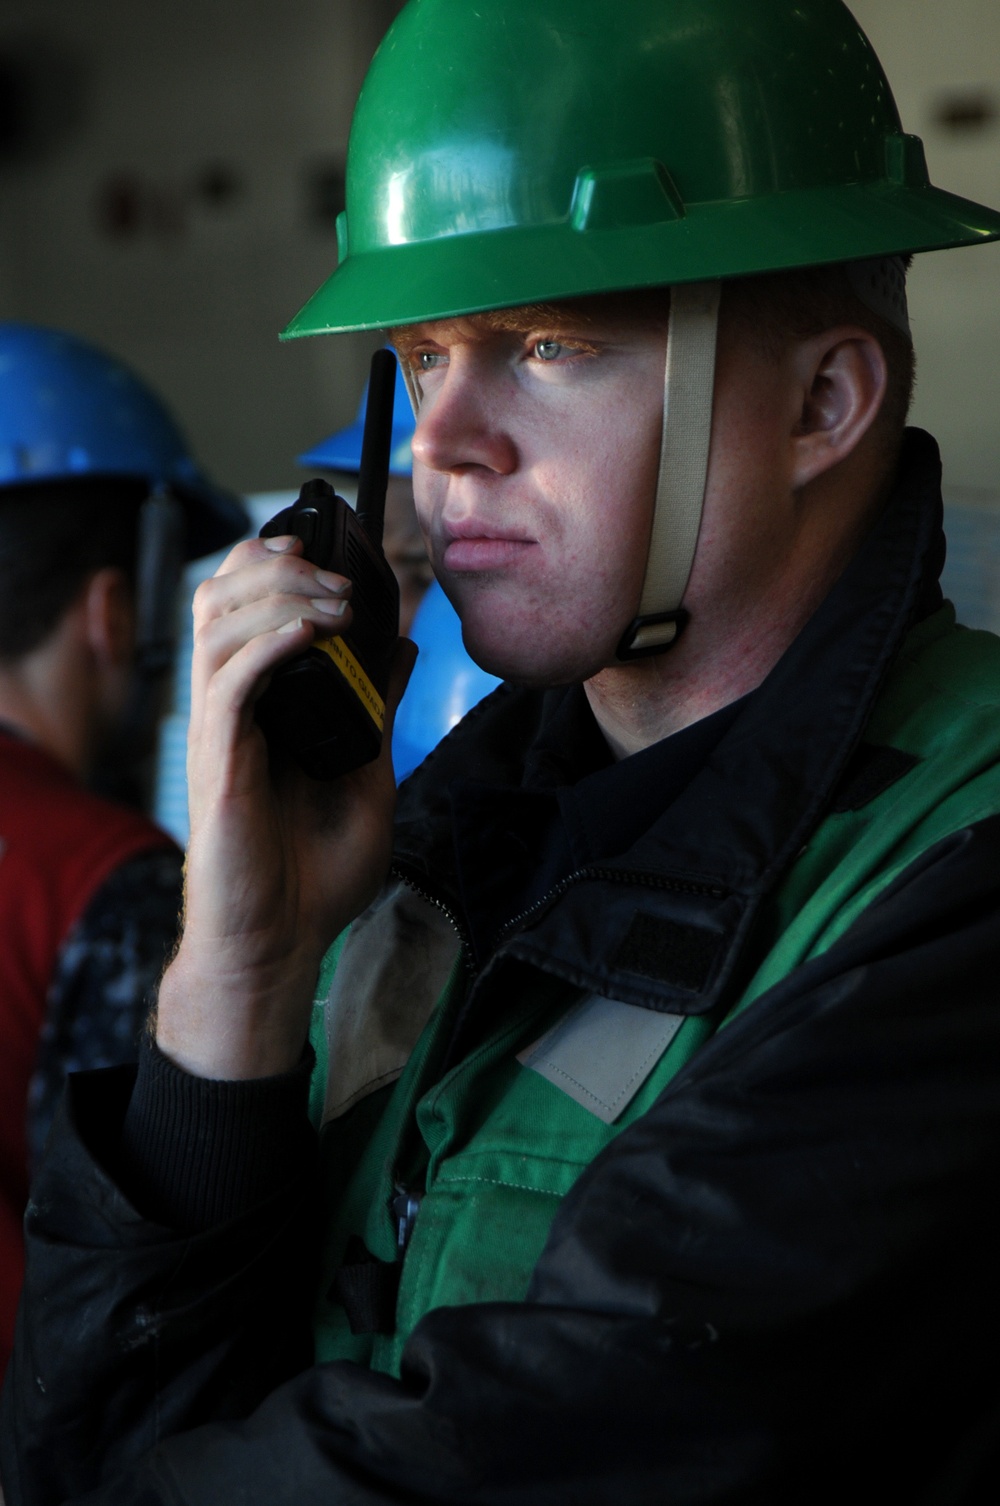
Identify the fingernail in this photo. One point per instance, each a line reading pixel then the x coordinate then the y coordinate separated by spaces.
pixel 291 627
pixel 280 544
pixel 331 608
pixel 335 583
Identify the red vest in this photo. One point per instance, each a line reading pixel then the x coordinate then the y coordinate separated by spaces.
pixel 58 843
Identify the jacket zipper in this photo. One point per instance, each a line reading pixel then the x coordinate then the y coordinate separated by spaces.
pixel 431 899
pixel 642 880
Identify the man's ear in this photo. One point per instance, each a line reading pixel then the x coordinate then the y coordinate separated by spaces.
pixel 841 378
pixel 109 616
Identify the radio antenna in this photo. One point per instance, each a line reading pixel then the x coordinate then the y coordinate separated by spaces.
pixel 373 474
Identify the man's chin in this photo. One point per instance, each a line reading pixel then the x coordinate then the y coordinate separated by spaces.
pixel 531 666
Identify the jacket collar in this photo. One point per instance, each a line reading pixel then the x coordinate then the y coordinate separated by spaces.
pixel 666 925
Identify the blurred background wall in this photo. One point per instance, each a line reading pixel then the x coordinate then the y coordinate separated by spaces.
pixel 170 172
pixel 943 61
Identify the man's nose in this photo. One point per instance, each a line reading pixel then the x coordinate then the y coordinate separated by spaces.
pixel 462 423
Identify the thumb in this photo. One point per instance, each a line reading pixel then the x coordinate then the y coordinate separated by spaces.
pixel 403 659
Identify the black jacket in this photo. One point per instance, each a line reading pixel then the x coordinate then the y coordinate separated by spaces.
pixel 820 1179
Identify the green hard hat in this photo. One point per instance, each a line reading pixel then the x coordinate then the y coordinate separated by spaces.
pixel 516 151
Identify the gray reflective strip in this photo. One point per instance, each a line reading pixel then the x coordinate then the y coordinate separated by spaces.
pixel 601 1053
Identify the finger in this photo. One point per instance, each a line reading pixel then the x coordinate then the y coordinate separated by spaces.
pixel 282 633
pixel 229 699
pixel 220 637
pixel 403 659
pixel 267 575
pixel 248 550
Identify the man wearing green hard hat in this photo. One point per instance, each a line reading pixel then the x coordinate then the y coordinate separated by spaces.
pixel 654 1078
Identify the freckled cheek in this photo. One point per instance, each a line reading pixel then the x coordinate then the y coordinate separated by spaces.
pixel 618 515
pixel 583 574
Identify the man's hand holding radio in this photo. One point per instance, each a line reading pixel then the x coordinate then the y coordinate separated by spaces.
pixel 278 863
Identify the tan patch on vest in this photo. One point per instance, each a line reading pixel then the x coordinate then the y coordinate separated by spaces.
pixel 396 961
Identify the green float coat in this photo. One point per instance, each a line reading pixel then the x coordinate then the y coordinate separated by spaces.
pixel 497 1146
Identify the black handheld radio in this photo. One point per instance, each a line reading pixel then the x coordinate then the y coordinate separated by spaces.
pixel 326 708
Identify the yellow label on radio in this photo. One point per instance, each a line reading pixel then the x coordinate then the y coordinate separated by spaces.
pixel 355 677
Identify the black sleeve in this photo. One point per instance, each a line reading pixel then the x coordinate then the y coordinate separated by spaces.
pixel 778 1286
pixel 132 1329
pixel 194 1152
pixel 105 977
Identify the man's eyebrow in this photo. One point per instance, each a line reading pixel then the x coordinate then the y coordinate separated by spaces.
pixel 410 337
pixel 558 318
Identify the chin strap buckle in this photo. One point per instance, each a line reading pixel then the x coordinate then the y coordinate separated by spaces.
pixel 651 634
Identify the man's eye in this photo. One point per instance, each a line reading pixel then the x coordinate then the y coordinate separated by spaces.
pixel 426 360
pixel 549 350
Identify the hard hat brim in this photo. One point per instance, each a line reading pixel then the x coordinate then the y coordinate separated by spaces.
pixel 214 517
pixel 342 451
pixel 466 274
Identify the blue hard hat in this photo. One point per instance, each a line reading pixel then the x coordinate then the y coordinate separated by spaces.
pixel 70 411
pixel 342 451
pixel 445 683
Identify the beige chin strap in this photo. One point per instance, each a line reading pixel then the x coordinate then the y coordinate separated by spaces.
pixel 688 393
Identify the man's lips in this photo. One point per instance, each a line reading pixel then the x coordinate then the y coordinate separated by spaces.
pixel 471 545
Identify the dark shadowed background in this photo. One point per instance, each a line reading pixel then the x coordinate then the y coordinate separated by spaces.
pixel 170 173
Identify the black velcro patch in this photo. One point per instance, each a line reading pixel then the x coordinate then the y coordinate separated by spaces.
pixel 670 953
pixel 367 1288
pixel 871 771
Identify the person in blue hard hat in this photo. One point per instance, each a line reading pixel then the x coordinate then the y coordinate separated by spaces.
pixel 446 682
pixel 100 503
